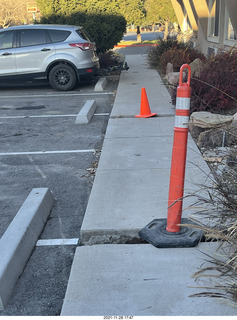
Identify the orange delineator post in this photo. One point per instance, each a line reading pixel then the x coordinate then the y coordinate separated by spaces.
pixel 167 233
pixel 178 163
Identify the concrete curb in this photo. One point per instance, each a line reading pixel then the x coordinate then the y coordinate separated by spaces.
pixel 101 84
pixel 87 112
pixel 19 239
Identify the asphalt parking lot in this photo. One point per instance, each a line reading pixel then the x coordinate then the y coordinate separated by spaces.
pixel 42 146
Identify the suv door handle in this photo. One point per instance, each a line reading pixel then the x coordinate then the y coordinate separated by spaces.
pixel 6 54
pixel 46 49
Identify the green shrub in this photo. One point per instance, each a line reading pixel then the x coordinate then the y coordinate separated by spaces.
pixel 105 29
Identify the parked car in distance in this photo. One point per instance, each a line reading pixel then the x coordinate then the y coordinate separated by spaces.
pixel 60 53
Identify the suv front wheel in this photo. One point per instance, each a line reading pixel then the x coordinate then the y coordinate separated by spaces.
pixel 62 77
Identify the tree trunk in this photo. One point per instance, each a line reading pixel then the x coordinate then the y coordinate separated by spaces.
pixel 139 38
pixel 166 32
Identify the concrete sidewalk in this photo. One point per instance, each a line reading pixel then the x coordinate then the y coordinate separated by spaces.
pixel 110 276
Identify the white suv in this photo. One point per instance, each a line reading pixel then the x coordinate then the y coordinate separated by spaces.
pixel 62 54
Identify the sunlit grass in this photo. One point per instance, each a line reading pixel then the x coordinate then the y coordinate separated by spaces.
pixel 134 42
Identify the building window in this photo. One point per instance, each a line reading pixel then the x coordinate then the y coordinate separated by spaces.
pixel 214 18
pixel 230 31
pixel 230 36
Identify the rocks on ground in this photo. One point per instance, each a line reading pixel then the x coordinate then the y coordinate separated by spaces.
pixel 216 136
pixel 173 77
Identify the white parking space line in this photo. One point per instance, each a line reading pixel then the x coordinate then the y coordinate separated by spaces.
pixel 41 116
pixel 57 242
pixel 49 116
pixel 45 152
pixel 57 95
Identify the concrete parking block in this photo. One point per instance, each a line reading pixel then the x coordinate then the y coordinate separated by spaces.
pixel 87 112
pixel 101 84
pixel 20 238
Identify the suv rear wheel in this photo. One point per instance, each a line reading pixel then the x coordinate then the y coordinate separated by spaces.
pixel 62 77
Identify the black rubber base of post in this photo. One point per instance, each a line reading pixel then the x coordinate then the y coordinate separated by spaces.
pixel 156 234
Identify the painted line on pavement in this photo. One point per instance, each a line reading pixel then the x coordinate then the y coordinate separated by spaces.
pixel 46 96
pixel 50 116
pixel 45 152
pixel 57 242
pixel 41 116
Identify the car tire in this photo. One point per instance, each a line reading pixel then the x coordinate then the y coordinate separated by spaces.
pixel 62 77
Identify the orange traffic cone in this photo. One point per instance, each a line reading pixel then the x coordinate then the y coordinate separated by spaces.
pixel 145 111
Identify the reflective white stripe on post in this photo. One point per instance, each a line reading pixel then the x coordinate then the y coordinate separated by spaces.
pixel 182 103
pixel 181 121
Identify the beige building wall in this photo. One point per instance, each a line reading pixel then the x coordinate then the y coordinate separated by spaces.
pixel 201 8
pixel 181 15
pixel 200 17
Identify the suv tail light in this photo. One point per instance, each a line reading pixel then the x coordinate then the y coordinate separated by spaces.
pixel 83 46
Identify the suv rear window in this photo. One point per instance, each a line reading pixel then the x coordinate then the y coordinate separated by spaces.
pixel 83 34
pixel 32 37
pixel 58 35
